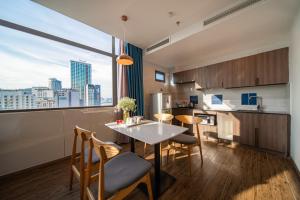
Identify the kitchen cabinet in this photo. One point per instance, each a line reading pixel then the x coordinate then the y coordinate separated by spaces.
pixel 239 73
pixel 272 67
pixel 185 76
pixel 244 128
pixel 200 82
pixel 214 76
pixel 267 68
pixel 178 77
pixel 272 132
pixel 264 131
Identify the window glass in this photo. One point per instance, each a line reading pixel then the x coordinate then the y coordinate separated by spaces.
pixel 30 14
pixel 41 73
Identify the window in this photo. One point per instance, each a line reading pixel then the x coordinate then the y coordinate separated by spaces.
pixel 160 76
pixel 42 73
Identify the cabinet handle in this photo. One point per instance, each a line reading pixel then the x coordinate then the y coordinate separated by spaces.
pixel 256 81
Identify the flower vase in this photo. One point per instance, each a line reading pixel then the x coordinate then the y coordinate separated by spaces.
pixel 125 116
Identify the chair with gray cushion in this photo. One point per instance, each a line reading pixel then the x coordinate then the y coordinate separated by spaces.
pixel 186 140
pixel 86 152
pixel 118 176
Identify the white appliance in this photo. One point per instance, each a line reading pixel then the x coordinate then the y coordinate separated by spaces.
pixel 160 103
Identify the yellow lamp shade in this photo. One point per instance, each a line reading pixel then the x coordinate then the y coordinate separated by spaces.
pixel 124 59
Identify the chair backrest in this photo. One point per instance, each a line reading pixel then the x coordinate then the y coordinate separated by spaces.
pixel 104 150
pixel 190 120
pixel 164 117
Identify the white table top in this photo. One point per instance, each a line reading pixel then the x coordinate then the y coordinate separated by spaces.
pixel 150 133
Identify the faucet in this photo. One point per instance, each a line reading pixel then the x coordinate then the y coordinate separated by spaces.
pixel 259 103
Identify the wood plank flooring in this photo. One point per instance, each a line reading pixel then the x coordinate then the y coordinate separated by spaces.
pixel 227 173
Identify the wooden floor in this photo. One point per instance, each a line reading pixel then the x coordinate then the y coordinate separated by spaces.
pixel 227 173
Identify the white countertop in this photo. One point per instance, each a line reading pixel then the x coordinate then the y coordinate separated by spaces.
pixel 150 133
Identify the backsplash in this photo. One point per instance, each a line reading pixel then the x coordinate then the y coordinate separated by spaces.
pixel 275 98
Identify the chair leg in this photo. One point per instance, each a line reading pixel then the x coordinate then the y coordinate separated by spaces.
pixel 145 147
pixel 71 178
pixel 190 159
pixel 200 147
pixel 149 186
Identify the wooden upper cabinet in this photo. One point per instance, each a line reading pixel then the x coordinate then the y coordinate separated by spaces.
pixel 239 72
pixel 185 76
pixel 272 67
pixel 214 76
pixel 200 82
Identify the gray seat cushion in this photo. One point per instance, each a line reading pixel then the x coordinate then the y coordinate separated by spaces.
pixel 184 139
pixel 123 170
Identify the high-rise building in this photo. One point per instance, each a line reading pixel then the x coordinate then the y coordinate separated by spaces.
pixel 68 98
pixel 44 97
pixel 54 84
pixel 93 95
pixel 81 75
pixel 16 99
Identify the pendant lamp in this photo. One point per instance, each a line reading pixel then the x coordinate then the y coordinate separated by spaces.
pixel 124 59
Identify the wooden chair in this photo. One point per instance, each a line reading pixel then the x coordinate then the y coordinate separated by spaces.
pixel 118 176
pixel 162 118
pixel 86 151
pixel 186 140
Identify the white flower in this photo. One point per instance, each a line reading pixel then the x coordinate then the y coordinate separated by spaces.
pixel 127 104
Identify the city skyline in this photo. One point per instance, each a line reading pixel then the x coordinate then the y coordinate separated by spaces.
pixel 28 60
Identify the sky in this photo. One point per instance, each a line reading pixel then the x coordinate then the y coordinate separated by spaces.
pixel 27 60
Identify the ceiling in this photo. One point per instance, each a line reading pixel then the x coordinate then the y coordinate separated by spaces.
pixel 149 22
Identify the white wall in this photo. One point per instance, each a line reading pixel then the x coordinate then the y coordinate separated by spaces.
pixel 295 91
pixel 152 86
pixel 31 138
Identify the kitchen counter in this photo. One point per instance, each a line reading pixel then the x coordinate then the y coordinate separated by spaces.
pixel 249 111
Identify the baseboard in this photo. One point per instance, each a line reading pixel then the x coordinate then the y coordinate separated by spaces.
pixel 30 169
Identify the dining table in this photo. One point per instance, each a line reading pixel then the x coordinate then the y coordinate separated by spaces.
pixel 152 133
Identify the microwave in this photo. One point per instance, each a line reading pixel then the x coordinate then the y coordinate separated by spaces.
pixel 207 119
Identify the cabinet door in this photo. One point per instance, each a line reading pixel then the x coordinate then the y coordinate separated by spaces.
pixel 244 128
pixel 272 67
pixel 225 123
pixel 189 75
pixel 273 132
pixel 214 76
pixel 178 77
pixel 240 72
pixel 200 82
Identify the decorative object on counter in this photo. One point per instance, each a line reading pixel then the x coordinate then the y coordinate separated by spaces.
pixel 249 99
pixel 217 99
pixel 127 105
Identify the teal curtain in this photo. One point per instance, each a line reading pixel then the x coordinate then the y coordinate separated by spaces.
pixel 135 77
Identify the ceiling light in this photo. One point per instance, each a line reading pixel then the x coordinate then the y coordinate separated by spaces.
pixel 124 59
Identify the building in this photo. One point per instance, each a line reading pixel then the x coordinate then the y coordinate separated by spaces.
pixel 16 99
pixel 44 97
pixel 81 75
pixel 93 95
pixel 68 98
pixel 54 84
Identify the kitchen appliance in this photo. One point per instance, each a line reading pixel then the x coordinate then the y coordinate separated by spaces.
pixel 160 103
pixel 207 119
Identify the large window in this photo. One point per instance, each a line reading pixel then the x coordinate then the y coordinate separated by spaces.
pixel 42 72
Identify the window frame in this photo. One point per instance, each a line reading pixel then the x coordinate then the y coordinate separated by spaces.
pixel 161 73
pixel 51 37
